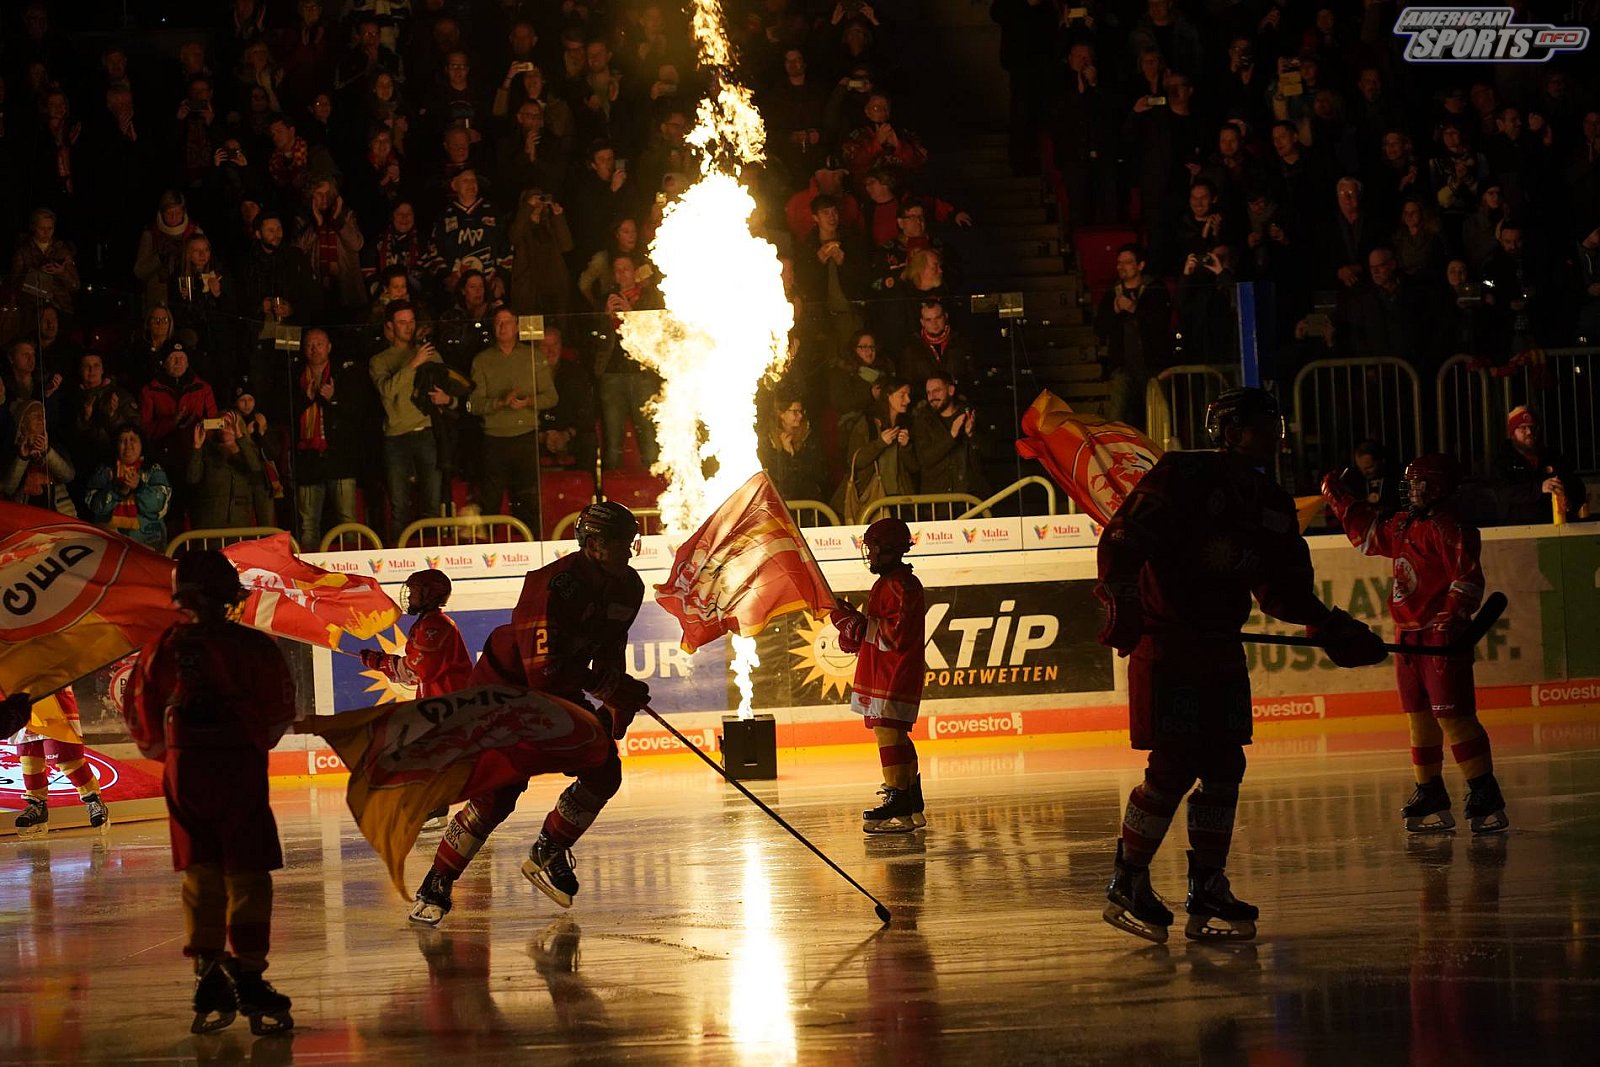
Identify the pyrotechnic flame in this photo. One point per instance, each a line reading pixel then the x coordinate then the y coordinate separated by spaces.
pixel 727 320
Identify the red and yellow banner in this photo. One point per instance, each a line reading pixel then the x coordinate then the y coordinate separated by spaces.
pixel 73 598
pixel 1097 462
pixel 745 566
pixel 408 759
pixel 292 598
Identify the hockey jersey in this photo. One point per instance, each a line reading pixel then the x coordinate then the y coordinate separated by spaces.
pixel 1436 559
pixel 436 660
pixel 470 238
pixel 891 662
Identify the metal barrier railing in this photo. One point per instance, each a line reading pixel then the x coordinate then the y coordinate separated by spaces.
pixel 649 522
pixel 1015 489
pixel 923 507
pixel 350 537
pixel 1340 402
pixel 476 529
pixel 1466 413
pixel 222 537
pixel 809 514
pixel 1560 385
pixel 1175 403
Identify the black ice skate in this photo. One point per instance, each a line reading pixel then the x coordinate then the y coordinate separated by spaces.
pixel 1133 905
pixel 34 820
pixel 1485 808
pixel 437 819
pixel 896 815
pixel 265 1007
pixel 99 814
pixel 1428 810
pixel 433 898
pixel 214 1003
pixel 1215 914
pixel 918 819
pixel 549 868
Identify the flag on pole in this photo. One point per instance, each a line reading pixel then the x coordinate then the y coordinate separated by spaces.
pixel 409 759
pixel 292 598
pixel 746 565
pixel 73 598
pixel 1097 462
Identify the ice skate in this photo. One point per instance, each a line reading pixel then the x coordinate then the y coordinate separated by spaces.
pixel 549 868
pixel 918 819
pixel 34 820
pixel 99 814
pixel 1428 810
pixel 896 815
pixel 214 1003
pixel 437 819
pixel 265 1007
pixel 1215 914
pixel 433 899
pixel 1133 905
pixel 1485 808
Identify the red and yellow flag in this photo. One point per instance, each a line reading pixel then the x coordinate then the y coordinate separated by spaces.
pixel 292 598
pixel 408 759
pixel 746 565
pixel 73 598
pixel 1097 462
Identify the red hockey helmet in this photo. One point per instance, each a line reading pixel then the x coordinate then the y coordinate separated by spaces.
pixel 890 536
pixel 1431 477
pixel 425 591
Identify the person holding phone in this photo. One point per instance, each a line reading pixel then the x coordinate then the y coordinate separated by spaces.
pixel 36 474
pixel 409 449
pixel 223 471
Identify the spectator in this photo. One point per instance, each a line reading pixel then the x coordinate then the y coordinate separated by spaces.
pixel 294 163
pixel 540 242
pixel 1163 29
pixel 790 450
pixel 171 406
pixel 1134 322
pixel 204 301
pixel 149 350
pixel 400 245
pixel 1456 174
pixel 1165 135
pixel 466 329
pixel 881 143
pixel 468 236
pixel 938 349
pixel 529 156
pixel 526 83
pixel 307 54
pixel 1348 236
pixel 596 277
pixel 1372 478
pixel 669 152
pixel 511 388
pixel 1201 227
pixel 330 237
pixel 1389 317
pixel 1588 261
pixel 569 428
pixel 223 473
pixel 1514 300
pixel 1418 248
pixel 625 384
pixel 856 379
pixel 327 410
pixel 1528 475
pixel 1207 315
pixel 26 382
pixel 1027 52
pixel 410 454
pixel 161 247
pixel 45 263
pixel 369 58
pixel 56 350
pixel 36 473
pixel 1087 122
pixel 100 409
pixel 1460 312
pixel 1480 231
pixel 794 110
pixel 130 496
pixel 1230 171
pixel 455 100
pixel 197 135
pixel 1398 176
pixel 832 272
pixel 376 182
pixel 599 199
pixel 942 437
pixel 882 461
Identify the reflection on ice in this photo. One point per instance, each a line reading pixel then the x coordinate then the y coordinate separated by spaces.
pixel 760 1014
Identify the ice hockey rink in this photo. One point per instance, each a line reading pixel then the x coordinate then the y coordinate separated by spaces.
pixel 705 935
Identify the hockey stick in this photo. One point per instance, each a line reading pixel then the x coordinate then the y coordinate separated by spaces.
pixel 878 908
pixel 1494 605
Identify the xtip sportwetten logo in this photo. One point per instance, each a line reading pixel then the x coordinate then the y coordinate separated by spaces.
pixel 1469 35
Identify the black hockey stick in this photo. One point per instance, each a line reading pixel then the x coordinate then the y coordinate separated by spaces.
pixel 1494 605
pixel 881 911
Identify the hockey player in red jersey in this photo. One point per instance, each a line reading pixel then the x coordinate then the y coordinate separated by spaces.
pixel 568 637
pixel 1438 584
pixel 889 638
pixel 36 751
pixel 1200 535
pixel 209 698
pixel 436 661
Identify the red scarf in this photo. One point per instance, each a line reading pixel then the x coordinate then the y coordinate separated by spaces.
pixel 938 345
pixel 327 263
pixel 313 432
pixel 287 167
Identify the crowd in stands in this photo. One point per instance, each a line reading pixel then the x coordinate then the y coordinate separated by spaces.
pixel 1395 209
pixel 282 269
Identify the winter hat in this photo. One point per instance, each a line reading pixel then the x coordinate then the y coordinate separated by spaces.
pixel 1520 416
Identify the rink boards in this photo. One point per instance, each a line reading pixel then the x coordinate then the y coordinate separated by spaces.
pixel 1011 650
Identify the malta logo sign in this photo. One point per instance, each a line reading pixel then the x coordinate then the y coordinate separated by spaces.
pixel 1475 34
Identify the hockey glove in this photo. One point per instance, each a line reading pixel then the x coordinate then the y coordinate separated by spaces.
pixel 852 627
pixel 1446 628
pixel 1336 491
pixel 623 696
pixel 372 659
pixel 1124 616
pixel 15 711
pixel 1348 641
